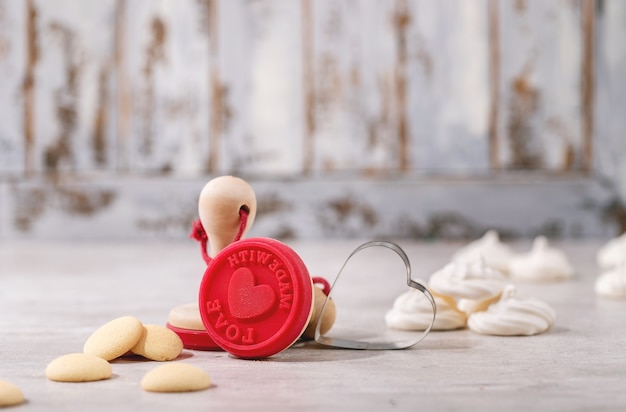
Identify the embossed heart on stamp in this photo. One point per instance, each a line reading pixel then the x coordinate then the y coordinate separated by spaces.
pixel 247 300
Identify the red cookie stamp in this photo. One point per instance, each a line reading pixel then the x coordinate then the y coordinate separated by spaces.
pixel 256 298
pixel 194 339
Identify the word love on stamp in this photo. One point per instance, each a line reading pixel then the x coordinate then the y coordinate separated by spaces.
pixel 256 298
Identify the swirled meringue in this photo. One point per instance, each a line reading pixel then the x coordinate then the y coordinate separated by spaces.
pixel 513 317
pixel 412 311
pixel 542 263
pixel 471 306
pixel 612 283
pixel 496 254
pixel 467 280
pixel 613 253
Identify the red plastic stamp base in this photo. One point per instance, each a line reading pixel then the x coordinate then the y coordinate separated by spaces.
pixel 195 339
pixel 256 298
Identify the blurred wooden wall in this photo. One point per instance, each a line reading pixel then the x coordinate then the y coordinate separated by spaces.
pixel 351 118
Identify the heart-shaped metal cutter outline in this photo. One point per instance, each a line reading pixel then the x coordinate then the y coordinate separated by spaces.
pixel 358 344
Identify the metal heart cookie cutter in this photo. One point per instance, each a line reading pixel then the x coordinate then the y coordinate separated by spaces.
pixel 366 339
pixel 257 298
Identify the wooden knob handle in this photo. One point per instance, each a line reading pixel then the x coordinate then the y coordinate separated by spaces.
pixel 328 319
pixel 218 207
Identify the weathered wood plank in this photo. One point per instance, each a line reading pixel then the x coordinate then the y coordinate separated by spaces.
pixel 67 105
pixel 309 91
pixel 493 10
pixel 448 81
pixel 353 106
pixel 285 87
pixel 397 89
pixel 329 208
pixel 541 60
pixel 13 82
pixel 165 56
pixel 610 124
pixel 588 83
pixel 260 68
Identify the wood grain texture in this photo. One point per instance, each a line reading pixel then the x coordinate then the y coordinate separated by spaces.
pixel 167 62
pixel 610 98
pixel 450 103
pixel 541 55
pixel 286 88
pixel 588 82
pixel 71 74
pixel 256 88
pixel 494 132
pixel 15 153
pixel 160 207
pixel 353 86
pixel 307 91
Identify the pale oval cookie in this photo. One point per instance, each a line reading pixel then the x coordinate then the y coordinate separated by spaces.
pixel 186 317
pixel 175 377
pixel 78 367
pixel 10 394
pixel 114 338
pixel 158 343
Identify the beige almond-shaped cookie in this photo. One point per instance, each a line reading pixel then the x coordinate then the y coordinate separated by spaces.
pixel 78 367
pixel 114 338
pixel 10 394
pixel 175 377
pixel 158 343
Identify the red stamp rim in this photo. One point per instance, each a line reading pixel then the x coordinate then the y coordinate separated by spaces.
pixel 256 298
pixel 195 339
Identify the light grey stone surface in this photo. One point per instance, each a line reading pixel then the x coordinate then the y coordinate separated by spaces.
pixel 53 295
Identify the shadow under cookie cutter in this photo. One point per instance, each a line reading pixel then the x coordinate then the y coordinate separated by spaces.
pixel 384 345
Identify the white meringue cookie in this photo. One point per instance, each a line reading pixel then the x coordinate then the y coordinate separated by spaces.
pixel 613 253
pixel 496 254
pixel 513 317
pixel 612 283
pixel 412 311
pixel 471 306
pixel 542 263
pixel 467 280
